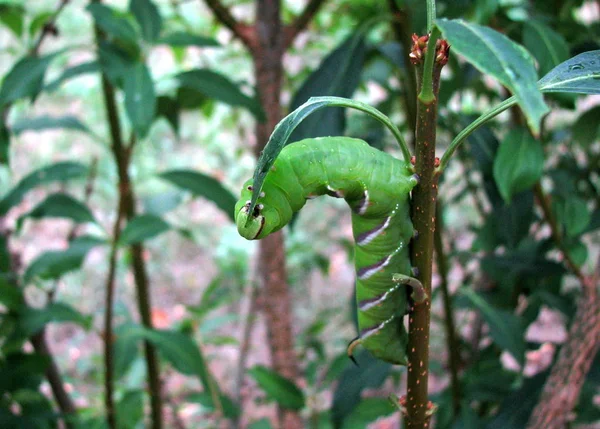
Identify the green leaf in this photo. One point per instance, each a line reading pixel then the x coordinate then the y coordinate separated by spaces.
pixel 73 72
pixel 38 22
pixel 148 17
pixel 10 296
pixel 580 75
pixel 519 163
pixel 52 265
pixel 547 46
pixel 11 15
pixel 115 61
pixel 61 171
pixel 181 38
pixel 130 409
pixel 140 99
pixel 496 55
pixel 141 228
pixel 219 87
pixel 282 132
pixel 205 399
pixel 26 78
pixel 505 328
pixel 4 142
pixel 278 388
pixel 261 424
pixel 113 23
pixel 586 129
pixel 338 75
pixel 370 374
pixel 572 213
pixel 204 186
pixel 126 347
pixel 32 320
pixel 41 123
pixel 61 206
pixel 168 108
pixel 369 410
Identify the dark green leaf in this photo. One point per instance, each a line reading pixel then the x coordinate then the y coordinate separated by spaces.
pixel 587 128
pixel 130 409
pixel 53 264
pixel 4 141
pixel 12 16
pixel 148 17
pixel 141 228
pixel 219 87
pixel 580 75
pixel 115 61
pixel 113 23
pixel 505 328
pixel 32 320
pixel 61 206
pixel 26 78
pixel 140 99
pixel 126 347
pixel 168 108
pixel 73 72
pixel 369 410
pixel 547 46
pixel 181 38
pixel 10 295
pixel 41 123
pixel 519 163
pixel 572 213
pixel 201 185
pixel 338 75
pixel 468 418
pixel 261 424
pixel 496 55
pixel 370 374
pixel 516 408
pixel 61 171
pixel 278 388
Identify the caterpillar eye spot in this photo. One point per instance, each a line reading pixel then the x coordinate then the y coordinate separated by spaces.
pixel 256 211
pixel 249 187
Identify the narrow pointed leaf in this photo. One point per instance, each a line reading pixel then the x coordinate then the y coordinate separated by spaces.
pixel 496 55
pixel 219 87
pixel 53 264
pixel 140 98
pixel 519 163
pixel 73 72
pixel 41 123
pixel 547 46
pixel 12 15
pixel 4 142
pixel 26 78
pixel 338 75
pixel 113 23
pixel 278 388
pixel 61 171
pixel 59 206
pixel 32 320
pixel 201 185
pixel 505 328
pixel 580 75
pixel 148 17
pixel 181 38
pixel 141 228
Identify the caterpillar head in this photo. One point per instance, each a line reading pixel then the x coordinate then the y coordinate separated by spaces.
pixel 258 224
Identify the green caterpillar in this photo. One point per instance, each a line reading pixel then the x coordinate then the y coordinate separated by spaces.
pixel 377 188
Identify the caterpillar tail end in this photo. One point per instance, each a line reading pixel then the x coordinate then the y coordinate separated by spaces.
pixel 350 350
pixel 418 291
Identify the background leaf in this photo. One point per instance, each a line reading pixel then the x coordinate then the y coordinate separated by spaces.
pixel 140 98
pixel 142 227
pixel 201 185
pixel 182 38
pixel 278 388
pixel 338 75
pixel 148 17
pixel 547 46
pixel 496 55
pixel 112 23
pixel 41 123
pixel 61 206
pixel 33 319
pixel 519 163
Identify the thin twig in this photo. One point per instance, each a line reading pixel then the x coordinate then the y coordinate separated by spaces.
pixel 242 31
pixel 301 21
pixel 48 28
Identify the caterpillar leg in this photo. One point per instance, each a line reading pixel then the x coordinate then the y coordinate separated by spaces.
pixel 418 291
pixel 350 350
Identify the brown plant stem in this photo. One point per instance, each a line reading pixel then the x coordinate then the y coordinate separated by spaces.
pixel 418 408
pixel 452 345
pixel 122 155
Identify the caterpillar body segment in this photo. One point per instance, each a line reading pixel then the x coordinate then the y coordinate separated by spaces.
pixel 377 188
